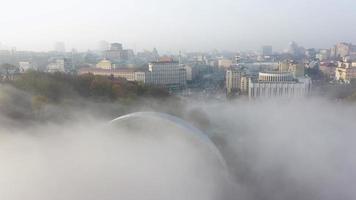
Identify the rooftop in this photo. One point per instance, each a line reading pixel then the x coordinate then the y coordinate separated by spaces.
pixel 88 70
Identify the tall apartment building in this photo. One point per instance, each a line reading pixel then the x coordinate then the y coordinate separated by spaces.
pixel 343 49
pixel 345 71
pixel 236 81
pixel 233 80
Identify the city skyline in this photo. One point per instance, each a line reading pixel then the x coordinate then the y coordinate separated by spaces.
pixel 192 26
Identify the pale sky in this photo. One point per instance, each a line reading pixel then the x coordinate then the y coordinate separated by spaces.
pixel 172 25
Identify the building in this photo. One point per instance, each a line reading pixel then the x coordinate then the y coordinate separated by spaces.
pixel 244 87
pixel 58 65
pixel 116 47
pixel 148 55
pixel 167 73
pixel 233 80
pixel 25 66
pixel 297 68
pixel 117 53
pixel 342 49
pixel 127 54
pixel 310 53
pixel 324 54
pixel 128 74
pixel 345 71
pixel 225 63
pixel 267 50
pixel 105 64
pixel 140 76
pixel 295 50
pixel 191 72
pixel 329 69
pixel 278 84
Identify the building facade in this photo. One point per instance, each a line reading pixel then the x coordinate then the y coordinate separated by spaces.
pixel 225 63
pixel 328 69
pixel 297 68
pixel 128 74
pixel 278 84
pixel 233 80
pixel 105 64
pixel 345 71
pixel 58 65
pixel 167 74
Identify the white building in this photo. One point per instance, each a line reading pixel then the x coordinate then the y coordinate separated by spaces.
pixel 25 66
pixel 345 71
pixel 166 73
pixel 279 84
pixel 128 74
pixel 57 66
pixel 225 63
pixel 191 72
pixel 140 77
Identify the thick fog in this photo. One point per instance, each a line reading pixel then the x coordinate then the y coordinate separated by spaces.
pixel 273 150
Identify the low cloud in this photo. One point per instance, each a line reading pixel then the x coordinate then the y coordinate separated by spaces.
pixel 274 150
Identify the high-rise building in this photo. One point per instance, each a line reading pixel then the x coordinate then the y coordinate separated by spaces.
pixel 345 71
pixel 342 49
pixel 267 50
pixel 233 80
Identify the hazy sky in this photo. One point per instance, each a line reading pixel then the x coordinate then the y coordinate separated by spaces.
pixel 172 25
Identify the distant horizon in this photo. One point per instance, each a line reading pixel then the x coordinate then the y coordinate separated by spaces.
pixel 177 25
pixel 69 48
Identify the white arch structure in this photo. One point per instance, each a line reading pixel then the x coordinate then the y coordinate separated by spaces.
pixel 188 129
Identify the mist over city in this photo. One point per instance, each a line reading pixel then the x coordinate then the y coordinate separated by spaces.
pixel 193 100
